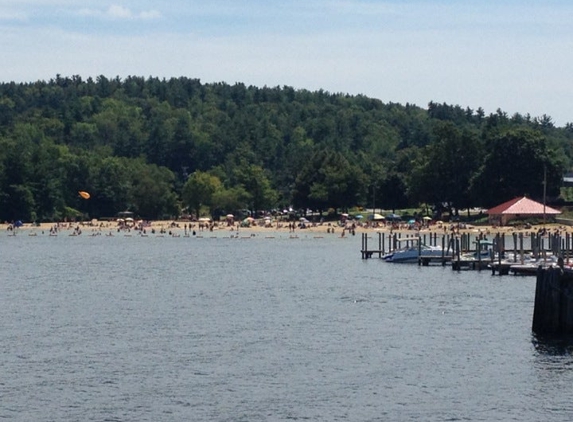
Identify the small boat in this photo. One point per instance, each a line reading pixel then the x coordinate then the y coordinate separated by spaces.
pixel 484 253
pixel 413 254
pixel 486 248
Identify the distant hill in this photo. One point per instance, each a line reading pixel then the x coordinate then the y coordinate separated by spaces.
pixel 133 143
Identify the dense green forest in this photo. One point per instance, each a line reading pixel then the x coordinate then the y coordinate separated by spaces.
pixel 163 147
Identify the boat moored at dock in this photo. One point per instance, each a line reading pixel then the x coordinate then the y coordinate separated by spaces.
pixel 416 253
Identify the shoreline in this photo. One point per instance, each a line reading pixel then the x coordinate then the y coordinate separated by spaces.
pixel 179 227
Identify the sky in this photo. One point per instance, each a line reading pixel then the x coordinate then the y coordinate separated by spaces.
pixel 512 55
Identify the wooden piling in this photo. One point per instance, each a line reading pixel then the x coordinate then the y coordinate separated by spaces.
pixel 454 246
pixel 553 311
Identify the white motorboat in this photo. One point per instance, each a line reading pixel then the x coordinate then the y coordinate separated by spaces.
pixel 485 252
pixel 412 254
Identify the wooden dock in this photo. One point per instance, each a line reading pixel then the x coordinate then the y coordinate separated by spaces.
pixel 465 251
pixel 470 264
pixel 425 260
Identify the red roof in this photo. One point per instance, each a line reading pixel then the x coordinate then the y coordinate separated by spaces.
pixel 522 206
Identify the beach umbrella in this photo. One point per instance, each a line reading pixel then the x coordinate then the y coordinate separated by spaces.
pixel 426 218
pixel 230 216
pixel 84 194
pixel 359 217
pixel 411 221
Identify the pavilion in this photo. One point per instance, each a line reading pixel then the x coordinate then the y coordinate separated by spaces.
pixel 520 207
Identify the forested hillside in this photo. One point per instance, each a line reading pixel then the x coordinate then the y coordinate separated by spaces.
pixel 158 147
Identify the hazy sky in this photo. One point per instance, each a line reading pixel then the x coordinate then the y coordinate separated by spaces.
pixel 513 55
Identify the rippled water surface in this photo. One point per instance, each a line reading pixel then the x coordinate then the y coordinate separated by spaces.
pixel 264 329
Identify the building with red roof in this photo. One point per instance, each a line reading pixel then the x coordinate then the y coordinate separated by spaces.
pixel 519 208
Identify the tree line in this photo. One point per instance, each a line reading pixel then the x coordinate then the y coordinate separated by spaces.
pixel 163 147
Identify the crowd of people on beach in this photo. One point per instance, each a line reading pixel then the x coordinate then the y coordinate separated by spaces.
pixel 192 228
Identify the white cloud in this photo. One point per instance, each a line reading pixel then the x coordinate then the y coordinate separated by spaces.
pixel 90 12
pixel 12 15
pixel 36 3
pixel 150 14
pixel 119 12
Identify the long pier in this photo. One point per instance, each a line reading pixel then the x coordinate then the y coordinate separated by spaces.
pixel 457 247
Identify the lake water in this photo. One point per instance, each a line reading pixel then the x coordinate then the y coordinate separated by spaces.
pixel 264 329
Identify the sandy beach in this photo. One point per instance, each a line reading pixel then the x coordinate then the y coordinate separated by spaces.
pixel 195 228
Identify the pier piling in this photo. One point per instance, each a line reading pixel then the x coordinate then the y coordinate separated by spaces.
pixel 553 310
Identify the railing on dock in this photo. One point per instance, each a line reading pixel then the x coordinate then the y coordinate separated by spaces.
pixel 389 242
pixel 456 247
